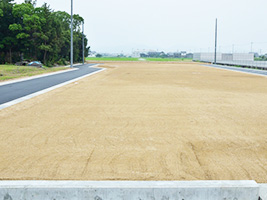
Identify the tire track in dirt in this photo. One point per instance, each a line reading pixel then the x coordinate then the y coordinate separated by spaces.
pixel 88 161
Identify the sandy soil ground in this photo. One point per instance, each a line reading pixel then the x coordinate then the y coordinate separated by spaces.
pixel 141 121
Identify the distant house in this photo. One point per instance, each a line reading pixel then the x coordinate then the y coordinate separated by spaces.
pixel 143 55
pixel 183 54
pixel 177 55
pixel 136 54
pixel 174 55
pixel 92 54
pixel 189 55
pixel 155 54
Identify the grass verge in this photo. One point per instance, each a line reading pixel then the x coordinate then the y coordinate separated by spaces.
pixel 8 72
pixel 168 59
pixel 138 59
pixel 112 59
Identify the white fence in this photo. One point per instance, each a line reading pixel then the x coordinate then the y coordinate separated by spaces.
pixel 250 64
pixel 236 59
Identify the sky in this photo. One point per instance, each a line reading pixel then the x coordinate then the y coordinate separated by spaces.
pixel 123 26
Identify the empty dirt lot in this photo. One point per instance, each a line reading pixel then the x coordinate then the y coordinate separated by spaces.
pixel 141 121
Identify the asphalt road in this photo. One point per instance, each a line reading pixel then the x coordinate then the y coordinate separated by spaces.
pixel 17 90
pixel 240 69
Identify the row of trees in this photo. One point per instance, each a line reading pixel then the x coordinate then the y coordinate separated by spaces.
pixel 38 33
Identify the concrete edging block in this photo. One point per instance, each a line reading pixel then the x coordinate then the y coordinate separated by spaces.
pixel 129 190
pixel 263 191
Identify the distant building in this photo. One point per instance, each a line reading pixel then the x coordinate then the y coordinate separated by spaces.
pixel 177 55
pixel 111 54
pixel 173 55
pixel 143 55
pixel 256 55
pixel 209 57
pixel 92 54
pixel 183 54
pixel 136 54
pixel 160 54
pixel 189 55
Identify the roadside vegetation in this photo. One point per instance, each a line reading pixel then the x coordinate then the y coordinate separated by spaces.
pixel 28 32
pixel 137 59
pixel 261 58
pixel 8 72
pixel 168 59
pixel 111 59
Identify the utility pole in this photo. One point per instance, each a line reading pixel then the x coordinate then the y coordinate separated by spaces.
pixel 83 42
pixel 215 53
pixel 251 50
pixel 71 35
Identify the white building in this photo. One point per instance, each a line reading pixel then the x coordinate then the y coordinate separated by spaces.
pixel 209 57
pixel 136 54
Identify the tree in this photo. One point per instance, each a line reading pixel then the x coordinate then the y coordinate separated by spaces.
pixel 38 33
pixel 7 40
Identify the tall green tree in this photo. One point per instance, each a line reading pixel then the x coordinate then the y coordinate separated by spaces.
pixel 37 33
pixel 7 38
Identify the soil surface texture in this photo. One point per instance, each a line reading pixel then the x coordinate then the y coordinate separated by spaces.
pixel 141 121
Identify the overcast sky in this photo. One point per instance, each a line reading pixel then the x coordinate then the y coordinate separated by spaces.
pixel 170 25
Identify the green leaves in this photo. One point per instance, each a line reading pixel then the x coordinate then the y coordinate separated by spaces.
pixel 38 33
pixel 23 36
pixel 45 47
pixel 31 22
pixel 1 13
pixel 8 41
pixel 15 27
pixel 20 10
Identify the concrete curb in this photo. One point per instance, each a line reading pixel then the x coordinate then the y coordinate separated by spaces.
pixel 235 69
pixel 129 190
pixel 38 76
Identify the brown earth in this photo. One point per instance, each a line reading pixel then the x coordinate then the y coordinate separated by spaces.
pixel 141 121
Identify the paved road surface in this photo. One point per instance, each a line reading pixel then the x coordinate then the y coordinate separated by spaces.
pixel 239 69
pixel 17 90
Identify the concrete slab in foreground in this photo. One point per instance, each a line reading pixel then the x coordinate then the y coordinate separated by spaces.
pixel 263 191
pixel 129 190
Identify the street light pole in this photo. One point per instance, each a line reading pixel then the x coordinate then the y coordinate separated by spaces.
pixel 83 42
pixel 71 35
pixel 215 54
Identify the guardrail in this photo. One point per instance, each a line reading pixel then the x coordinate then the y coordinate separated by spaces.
pixel 249 64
